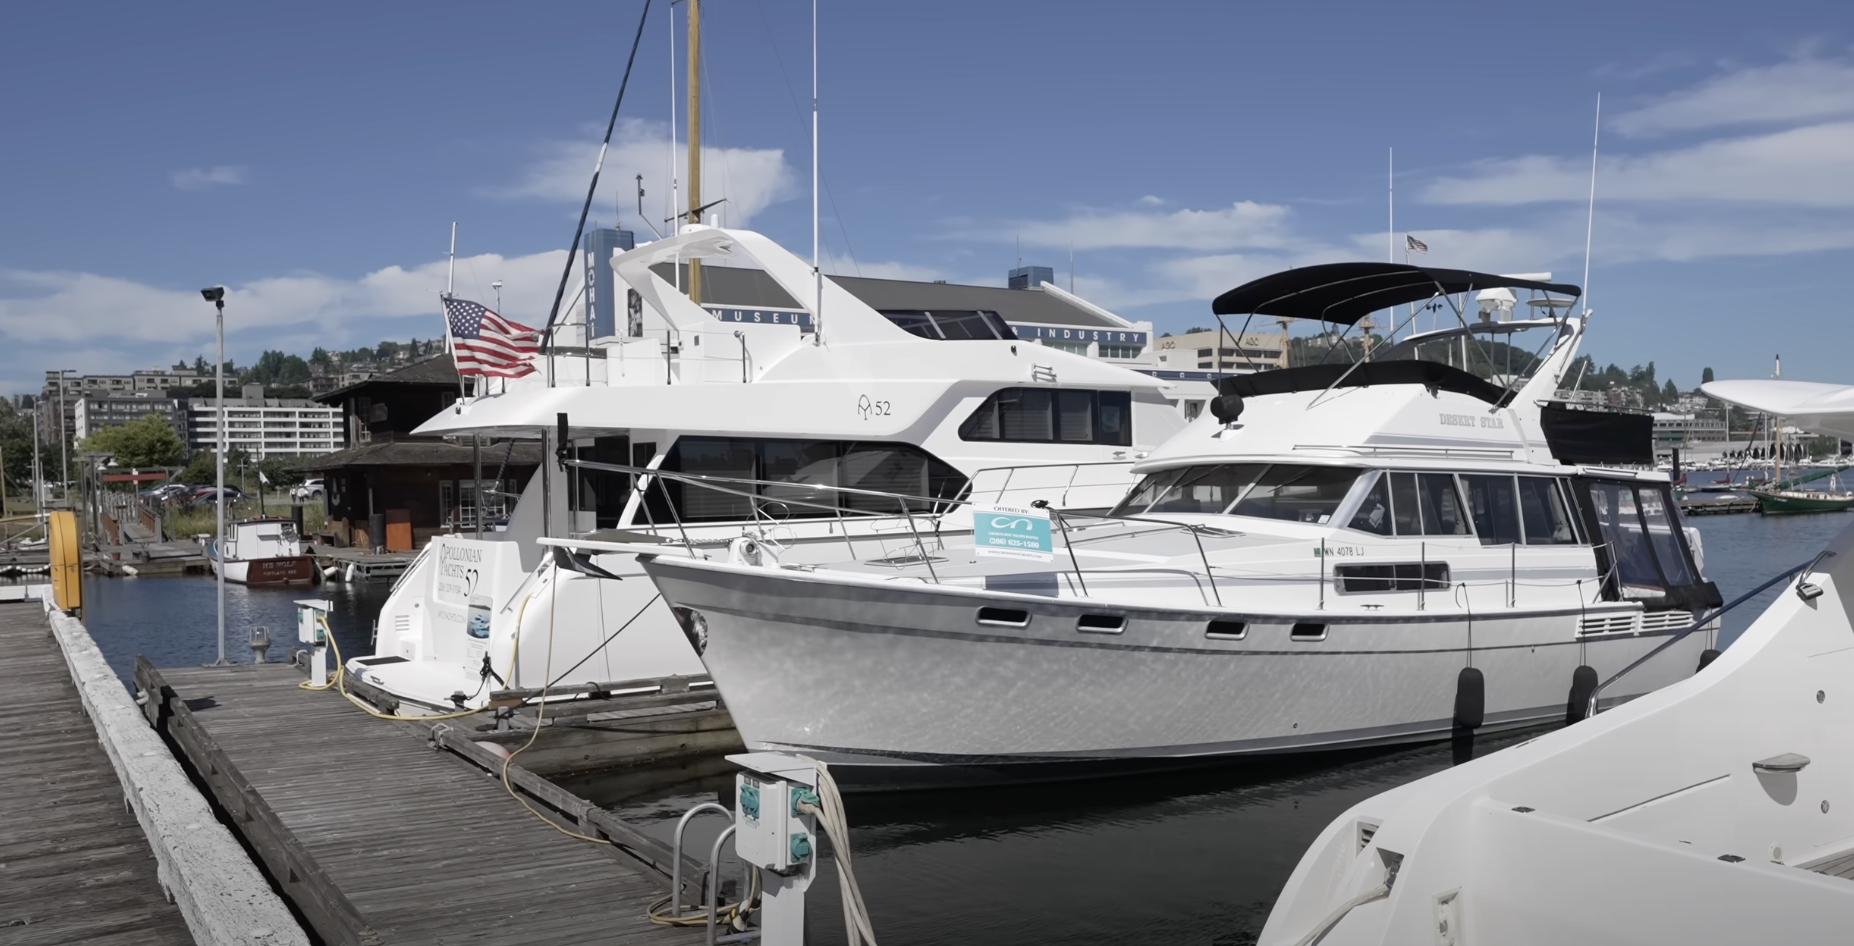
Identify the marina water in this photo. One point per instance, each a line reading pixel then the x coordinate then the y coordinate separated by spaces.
pixel 1191 858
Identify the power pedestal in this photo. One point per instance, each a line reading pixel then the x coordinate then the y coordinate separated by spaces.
pixel 773 835
pixel 311 619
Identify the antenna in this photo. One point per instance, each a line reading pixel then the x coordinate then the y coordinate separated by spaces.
pixel 1390 236
pixel 817 268
pixel 1590 221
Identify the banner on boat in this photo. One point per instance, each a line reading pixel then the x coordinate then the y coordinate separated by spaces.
pixel 1012 532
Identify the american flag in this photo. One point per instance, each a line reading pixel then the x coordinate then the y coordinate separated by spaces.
pixel 1412 243
pixel 486 343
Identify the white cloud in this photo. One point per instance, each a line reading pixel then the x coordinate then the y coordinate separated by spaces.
pixel 199 179
pixel 1799 90
pixel 751 179
pixel 1805 167
pixel 64 309
pixel 1244 224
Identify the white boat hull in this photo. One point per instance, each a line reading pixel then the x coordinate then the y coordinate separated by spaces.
pixel 886 678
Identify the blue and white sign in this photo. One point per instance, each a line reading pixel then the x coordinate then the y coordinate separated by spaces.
pixel 760 316
pixel 1062 333
pixel 1012 532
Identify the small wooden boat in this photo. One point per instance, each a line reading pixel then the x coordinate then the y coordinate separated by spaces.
pixel 264 551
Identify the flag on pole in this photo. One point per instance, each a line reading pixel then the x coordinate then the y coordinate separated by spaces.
pixel 484 343
pixel 1412 243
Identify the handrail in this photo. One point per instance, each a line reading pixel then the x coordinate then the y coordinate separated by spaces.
pixel 1591 709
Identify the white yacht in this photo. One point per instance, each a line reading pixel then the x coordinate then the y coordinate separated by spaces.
pixel 836 394
pixel 1342 556
pixel 1718 810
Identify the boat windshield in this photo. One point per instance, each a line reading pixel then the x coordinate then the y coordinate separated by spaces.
pixel 1296 492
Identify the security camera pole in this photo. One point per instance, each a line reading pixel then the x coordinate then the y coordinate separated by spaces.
pixel 216 296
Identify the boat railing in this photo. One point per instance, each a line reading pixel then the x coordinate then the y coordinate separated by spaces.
pixel 1800 572
pixel 826 498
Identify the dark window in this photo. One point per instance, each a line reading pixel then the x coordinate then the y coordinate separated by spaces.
pixel 898 468
pixel 1202 489
pixel 1101 623
pixel 1005 617
pixel 1203 353
pixel 600 492
pixel 1403 576
pixel 1308 632
pixel 1542 510
pixel 1226 630
pixel 1406 509
pixel 1374 513
pixel 957 325
pixel 1297 493
pixel 1495 505
pixel 1288 491
pixel 1053 415
pixel 1441 504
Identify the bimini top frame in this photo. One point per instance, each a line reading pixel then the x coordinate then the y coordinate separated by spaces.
pixel 1344 293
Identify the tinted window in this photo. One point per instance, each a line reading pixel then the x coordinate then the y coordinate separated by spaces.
pixel 884 467
pixel 1405 576
pixel 1406 509
pixel 1669 550
pixel 1204 489
pixel 955 325
pixel 1543 514
pixel 1374 513
pixel 1297 493
pixel 1441 504
pixel 1618 520
pixel 1052 415
pixel 1495 504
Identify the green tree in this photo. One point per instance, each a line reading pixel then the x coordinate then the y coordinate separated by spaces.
pixel 277 471
pixel 320 357
pixel 146 442
pixel 1669 393
pixel 1705 375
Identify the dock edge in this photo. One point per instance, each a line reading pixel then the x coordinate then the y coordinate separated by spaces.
pixel 221 895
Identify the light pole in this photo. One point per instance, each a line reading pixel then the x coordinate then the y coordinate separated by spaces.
pixel 216 296
pixel 64 430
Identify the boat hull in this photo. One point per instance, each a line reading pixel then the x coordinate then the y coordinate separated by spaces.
pixel 285 570
pixel 1779 504
pixel 899 686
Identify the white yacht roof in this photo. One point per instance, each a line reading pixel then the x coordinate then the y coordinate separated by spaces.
pixel 1823 408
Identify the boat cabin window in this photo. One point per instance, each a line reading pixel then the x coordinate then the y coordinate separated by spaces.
pixel 1643 549
pixel 1426 504
pixel 1053 415
pixel 870 465
pixel 1494 502
pixel 603 493
pixel 953 325
pixel 1293 491
pixel 1374 511
pixel 1543 513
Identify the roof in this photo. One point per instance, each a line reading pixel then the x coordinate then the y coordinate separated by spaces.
pixel 1343 293
pixel 421 453
pixel 438 371
pixel 1430 374
pixel 734 286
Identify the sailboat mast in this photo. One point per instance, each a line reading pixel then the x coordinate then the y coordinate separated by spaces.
pixel 695 139
pixel 817 271
pixel 1776 439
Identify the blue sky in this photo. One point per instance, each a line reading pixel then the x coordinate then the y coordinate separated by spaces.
pixel 313 158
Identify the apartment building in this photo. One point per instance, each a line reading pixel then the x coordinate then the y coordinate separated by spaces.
pixel 95 411
pixel 266 427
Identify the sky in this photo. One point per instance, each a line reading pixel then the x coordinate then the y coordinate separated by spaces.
pixel 313 158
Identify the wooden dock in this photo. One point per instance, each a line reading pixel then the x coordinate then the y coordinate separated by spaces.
pixel 388 832
pixel 75 866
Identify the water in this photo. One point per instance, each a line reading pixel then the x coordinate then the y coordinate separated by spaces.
pixel 1196 858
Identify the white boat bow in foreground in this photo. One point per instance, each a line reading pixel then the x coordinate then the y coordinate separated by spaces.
pixel 1717 810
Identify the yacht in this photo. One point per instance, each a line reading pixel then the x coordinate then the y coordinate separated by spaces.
pixel 833 394
pixel 1717 810
pixel 1335 556
pixel 262 551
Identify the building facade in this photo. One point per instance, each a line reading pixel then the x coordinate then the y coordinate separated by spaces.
pixel 265 427
pixel 1678 430
pixel 95 411
pixel 1223 352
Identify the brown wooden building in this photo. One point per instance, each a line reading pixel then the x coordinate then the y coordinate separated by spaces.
pixel 404 487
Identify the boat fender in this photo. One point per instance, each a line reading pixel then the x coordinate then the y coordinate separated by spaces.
pixel 1707 656
pixel 1583 683
pixel 1470 698
pixel 1226 408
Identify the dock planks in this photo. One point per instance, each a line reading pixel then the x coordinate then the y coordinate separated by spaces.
pixel 379 838
pixel 74 864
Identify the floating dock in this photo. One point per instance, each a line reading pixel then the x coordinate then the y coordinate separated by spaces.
pixel 103 840
pixel 1717 505
pixel 381 831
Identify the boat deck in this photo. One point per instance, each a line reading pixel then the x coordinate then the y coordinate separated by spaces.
pixel 378 834
pixel 1842 866
pixel 75 866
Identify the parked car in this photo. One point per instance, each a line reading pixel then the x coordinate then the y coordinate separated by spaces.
pixel 207 494
pixel 308 489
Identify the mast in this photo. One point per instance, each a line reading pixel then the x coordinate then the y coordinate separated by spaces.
pixel 695 140
pixel 1776 439
pixel 817 272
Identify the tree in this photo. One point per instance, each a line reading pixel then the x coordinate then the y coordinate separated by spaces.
pixel 1669 393
pixel 146 442
pixel 320 357
pixel 277 471
pixel 1705 375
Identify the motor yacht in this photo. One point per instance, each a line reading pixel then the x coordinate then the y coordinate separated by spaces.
pixel 1335 556
pixel 1716 810
pixel 833 392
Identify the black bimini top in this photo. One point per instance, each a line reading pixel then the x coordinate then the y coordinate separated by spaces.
pixel 1429 374
pixel 1343 293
